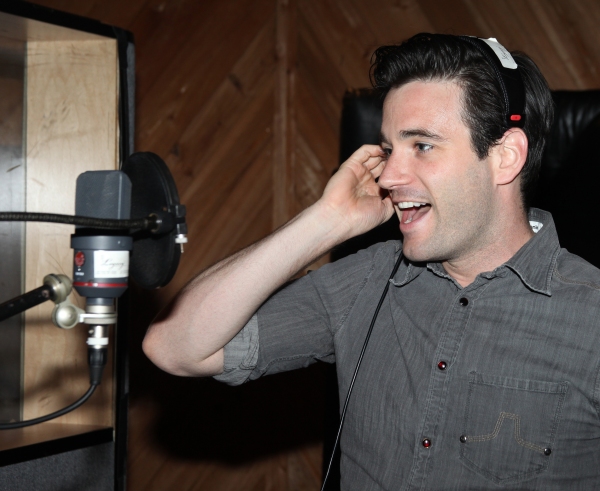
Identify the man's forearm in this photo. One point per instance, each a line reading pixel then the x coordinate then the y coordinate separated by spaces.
pixel 188 337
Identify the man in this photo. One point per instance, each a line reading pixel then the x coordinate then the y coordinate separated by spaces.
pixel 483 368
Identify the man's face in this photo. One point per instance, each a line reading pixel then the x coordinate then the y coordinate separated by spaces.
pixel 441 191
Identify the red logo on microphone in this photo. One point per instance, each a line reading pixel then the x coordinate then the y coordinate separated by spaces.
pixel 79 259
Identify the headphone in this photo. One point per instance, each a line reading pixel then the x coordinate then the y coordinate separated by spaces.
pixel 508 75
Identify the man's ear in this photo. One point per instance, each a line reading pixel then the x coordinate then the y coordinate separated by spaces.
pixel 511 154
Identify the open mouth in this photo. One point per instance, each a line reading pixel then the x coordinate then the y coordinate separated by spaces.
pixel 411 210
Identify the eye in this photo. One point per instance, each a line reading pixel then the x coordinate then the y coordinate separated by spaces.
pixel 423 147
pixel 387 151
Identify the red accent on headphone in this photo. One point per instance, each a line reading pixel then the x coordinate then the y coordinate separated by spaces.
pixel 515 117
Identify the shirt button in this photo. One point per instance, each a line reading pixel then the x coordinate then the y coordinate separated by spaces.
pixel 426 442
pixel 464 301
pixel 442 365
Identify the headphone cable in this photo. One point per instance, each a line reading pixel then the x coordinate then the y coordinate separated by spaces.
pixel 360 358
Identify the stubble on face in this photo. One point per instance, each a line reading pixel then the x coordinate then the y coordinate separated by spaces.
pixel 449 177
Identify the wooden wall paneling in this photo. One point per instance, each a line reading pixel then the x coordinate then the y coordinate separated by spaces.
pixel 320 75
pixel 346 47
pixel 583 18
pixel 392 22
pixel 304 468
pixel 284 117
pixel 245 215
pixel 230 170
pixel 170 35
pixel 71 128
pixel 225 122
pixel 151 469
pixel 570 58
pixel 549 48
pixel 447 17
pixel 191 75
pixel 317 148
pixel 296 470
pixel 519 27
pixel 547 31
pixel 113 13
pixel 319 83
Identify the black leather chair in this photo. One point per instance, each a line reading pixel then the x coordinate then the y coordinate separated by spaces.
pixel 570 174
pixel 568 187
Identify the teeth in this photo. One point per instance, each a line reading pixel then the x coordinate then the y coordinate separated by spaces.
pixel 409 204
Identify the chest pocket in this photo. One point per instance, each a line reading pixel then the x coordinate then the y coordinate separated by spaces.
pixel 510 426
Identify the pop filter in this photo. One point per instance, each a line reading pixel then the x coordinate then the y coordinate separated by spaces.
pixel 155 256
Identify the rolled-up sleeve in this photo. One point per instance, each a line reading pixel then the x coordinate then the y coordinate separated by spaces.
pixel 240 355
pixel 298 323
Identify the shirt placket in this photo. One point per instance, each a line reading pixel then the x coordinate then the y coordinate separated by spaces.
pixel 428 444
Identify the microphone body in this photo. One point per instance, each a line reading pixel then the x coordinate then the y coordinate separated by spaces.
pixel 101 258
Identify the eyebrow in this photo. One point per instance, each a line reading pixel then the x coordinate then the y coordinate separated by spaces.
pixel 411 133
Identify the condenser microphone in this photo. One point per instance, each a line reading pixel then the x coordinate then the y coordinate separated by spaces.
pixel 103 241
pixel 101 259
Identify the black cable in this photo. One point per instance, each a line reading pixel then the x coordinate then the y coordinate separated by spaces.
pixel 61 412
pixel 147 223
pixel 360 358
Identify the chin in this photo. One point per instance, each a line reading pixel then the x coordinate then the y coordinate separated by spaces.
pixel 418 253
pixel 413 253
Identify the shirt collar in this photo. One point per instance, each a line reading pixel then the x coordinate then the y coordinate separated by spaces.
pixel 534 263
pixel 407 272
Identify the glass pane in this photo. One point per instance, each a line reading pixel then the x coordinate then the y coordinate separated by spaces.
pixel 12 198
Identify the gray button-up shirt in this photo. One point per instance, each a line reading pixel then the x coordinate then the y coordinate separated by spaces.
pixel 495 385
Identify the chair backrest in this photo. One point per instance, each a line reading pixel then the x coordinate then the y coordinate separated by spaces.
pixel 569 177
pixel 570 174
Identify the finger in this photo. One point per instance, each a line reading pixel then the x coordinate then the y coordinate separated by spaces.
pixel 376 167
pixel 374 161
pixel 371 188
pixel 389 207
pixel 366 153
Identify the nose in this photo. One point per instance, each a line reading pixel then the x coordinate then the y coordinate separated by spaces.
pixel 396 172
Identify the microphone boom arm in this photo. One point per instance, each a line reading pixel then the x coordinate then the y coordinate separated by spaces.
pixel 56 287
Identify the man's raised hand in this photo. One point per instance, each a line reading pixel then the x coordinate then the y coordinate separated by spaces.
pixel 354 195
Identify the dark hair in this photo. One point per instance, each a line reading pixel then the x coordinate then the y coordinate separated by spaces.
pixel 430 57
